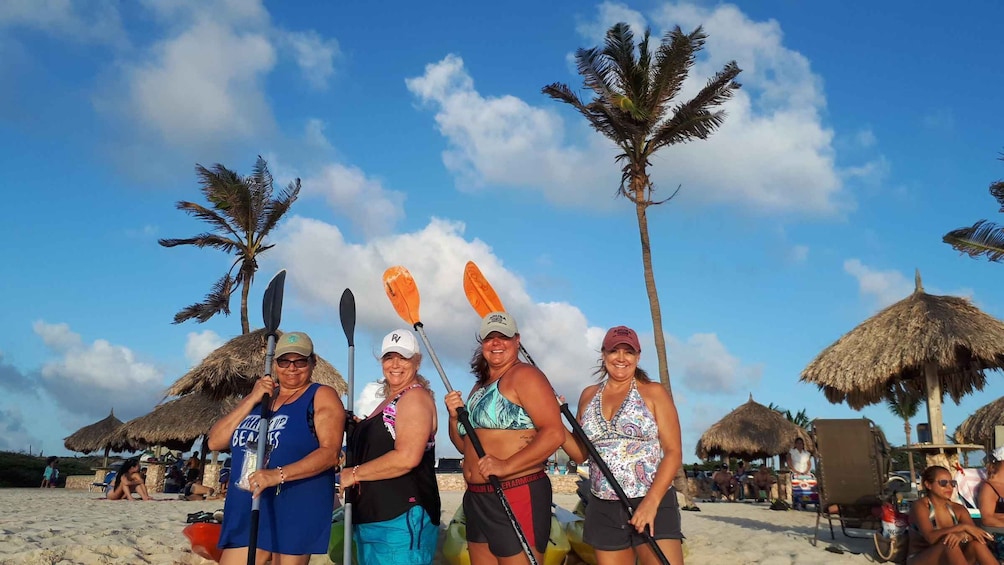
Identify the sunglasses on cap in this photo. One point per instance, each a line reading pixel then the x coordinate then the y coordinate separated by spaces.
pixel 946 482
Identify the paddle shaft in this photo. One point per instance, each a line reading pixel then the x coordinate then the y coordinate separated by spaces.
pixel 347 543
pixel 266 401
pixel 465 420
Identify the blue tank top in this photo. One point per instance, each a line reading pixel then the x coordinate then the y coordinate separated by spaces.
pixel 296 521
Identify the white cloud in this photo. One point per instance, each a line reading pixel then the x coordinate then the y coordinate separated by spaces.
pixel 91 378
pixel 367 400
pixel 204 84
pixel 96 21
pixel 707 366
pixel 865 137
pixel 362 200
pixel 798 253
pixel 608 14
pixel 774 127
pixel 198 345
pixel 885 287
pixel 14 436
pixel 314 55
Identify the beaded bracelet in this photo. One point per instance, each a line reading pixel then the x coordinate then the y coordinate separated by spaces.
pixel 282 479
pixel 355 478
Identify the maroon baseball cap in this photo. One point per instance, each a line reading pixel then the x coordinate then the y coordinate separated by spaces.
pixel 621 335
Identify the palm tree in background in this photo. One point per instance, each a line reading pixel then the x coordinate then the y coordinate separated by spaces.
pixel 635 107
pixel 904 404
pixel 800 418
pixel 241 213
pixel 984 237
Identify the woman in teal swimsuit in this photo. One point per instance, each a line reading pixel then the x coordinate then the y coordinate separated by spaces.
pixel 941 531
pixel 514 412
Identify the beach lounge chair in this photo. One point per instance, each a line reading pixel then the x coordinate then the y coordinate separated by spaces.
pixel 853 461
pixel 109 479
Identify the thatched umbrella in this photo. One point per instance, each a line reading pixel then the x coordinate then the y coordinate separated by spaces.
pixel 751 431
pixel 931 344
pixel 231 369
pixel 98 436
pixel 979 427
pixel 177 423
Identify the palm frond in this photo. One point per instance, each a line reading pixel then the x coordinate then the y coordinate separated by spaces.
pixel 673 62
pixel 205 240
pixel 984 238
pixel 903 402
pixel 210 216
pixel 598 74
pixel 695 119
pixel 609 122
pixel 217 301
pixel 276 209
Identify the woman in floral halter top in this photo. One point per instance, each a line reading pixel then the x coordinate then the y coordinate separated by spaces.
pixel 634 426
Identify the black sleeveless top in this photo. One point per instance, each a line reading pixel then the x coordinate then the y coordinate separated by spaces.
pixel 385 499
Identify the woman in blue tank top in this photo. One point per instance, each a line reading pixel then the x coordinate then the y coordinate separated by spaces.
pixel 297 485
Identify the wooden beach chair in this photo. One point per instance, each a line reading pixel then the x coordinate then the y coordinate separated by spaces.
pixel 853 460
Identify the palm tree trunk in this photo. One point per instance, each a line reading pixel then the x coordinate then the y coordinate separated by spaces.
pixel 653 295
pixel 245 290
pixel 680 480
pixel 906 428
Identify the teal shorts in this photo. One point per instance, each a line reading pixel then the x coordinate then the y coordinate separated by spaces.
pixel 409 539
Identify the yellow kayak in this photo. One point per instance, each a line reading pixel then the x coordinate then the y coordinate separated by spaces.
pixel 455 545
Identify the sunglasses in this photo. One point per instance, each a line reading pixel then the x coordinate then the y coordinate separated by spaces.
pixel 946 482
pixel 298 363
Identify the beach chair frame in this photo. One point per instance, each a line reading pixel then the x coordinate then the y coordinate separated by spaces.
pixel 853 460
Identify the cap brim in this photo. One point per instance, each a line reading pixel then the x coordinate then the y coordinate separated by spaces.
pixel 406 353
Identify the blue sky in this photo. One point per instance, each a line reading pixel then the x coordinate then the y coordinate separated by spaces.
pixel 859 138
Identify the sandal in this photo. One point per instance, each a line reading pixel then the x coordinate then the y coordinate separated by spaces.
pixel 197 517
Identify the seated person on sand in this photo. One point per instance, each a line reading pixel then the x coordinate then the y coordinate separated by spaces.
pixel 941 531
pixel 127 482
pixel 196 491
pixel 762 481
pixel 723 482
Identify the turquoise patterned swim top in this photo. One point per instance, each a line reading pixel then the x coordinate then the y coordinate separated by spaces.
pixel 491 410
pixel 628 443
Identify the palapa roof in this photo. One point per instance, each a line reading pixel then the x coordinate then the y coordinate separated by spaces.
pixel 979 427
pixel 751 431
pixel 177 423
pixel 98 437
pixel 231 369
pixel 895 344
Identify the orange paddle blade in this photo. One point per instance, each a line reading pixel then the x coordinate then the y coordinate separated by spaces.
pixel 479 291
pixel 403 293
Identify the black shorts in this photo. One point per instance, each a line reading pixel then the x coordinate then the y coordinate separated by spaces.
pixel 487 522
pixel 607 528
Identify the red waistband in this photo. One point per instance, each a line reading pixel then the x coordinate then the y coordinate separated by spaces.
pixel 506 485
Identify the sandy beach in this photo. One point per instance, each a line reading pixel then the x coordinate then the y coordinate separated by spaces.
pixel 76 527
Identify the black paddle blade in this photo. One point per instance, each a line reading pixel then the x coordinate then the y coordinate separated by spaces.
pixel 271 306
pixel 347 313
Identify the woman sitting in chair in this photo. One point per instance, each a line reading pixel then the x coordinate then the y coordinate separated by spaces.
pixel 128 481
pixel 941 531
pixel 991 503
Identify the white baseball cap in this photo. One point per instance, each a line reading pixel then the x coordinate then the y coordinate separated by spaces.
pixel 500 322
pixel 400 341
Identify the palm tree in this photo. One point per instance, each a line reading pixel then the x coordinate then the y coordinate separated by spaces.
pixel 904 404
pixel 241 214
pixel 635 107
pixel 632 107
pixel 984 237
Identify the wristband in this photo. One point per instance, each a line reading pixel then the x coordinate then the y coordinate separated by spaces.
pixel 282 479
pixel 355 478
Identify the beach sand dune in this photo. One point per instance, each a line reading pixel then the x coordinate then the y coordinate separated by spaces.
pixel 50 526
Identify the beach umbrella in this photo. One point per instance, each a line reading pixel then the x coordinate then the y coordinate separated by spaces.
pixel 231 370
pixel 979 427
pixel 751 431
pixel 99 435
pixel 932 345
pixel 177 423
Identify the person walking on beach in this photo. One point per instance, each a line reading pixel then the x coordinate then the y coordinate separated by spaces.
pixel 297 489
pixel 633 423
pixel 513 409
pixel 390 475
pixel 941 531
pixel 50 474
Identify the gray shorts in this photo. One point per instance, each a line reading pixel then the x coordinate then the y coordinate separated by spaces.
pixel 607 528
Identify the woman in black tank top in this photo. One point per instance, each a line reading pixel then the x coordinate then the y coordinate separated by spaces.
pixel 389 476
